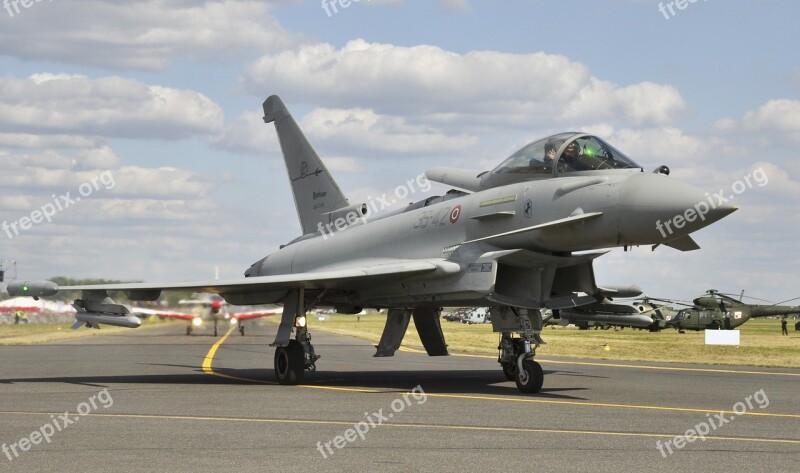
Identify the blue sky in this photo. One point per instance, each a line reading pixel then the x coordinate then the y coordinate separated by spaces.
pixel 166 95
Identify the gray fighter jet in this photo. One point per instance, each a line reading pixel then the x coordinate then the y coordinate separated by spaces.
pixel 518 239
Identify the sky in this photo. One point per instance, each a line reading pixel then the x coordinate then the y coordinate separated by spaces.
pixel 150 113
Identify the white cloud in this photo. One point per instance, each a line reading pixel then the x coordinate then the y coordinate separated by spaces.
pixel 97 158
pixel 367 130
pixel 777 119
pixel 249 134
pixel 31 140
pixel 37 176
pixel 663 145
pixel 351 130
pixel 142 35
pixel 781 117
pixel 508 89
pixel 59 104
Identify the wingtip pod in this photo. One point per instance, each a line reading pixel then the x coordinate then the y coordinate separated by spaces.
pixel 32 288
pixel 274 108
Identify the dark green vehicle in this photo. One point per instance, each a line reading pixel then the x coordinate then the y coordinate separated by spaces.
pixel 716 310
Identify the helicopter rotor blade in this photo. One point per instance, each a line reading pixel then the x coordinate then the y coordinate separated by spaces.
pixel 749 297
pixel 787 300
pixel 669 301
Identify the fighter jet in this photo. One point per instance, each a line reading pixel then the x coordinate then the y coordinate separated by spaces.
pixel 518 239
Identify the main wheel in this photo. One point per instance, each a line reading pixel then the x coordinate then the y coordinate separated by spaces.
pixel 189 330
pixel 531 377
pixel 510 371
pixel 290 363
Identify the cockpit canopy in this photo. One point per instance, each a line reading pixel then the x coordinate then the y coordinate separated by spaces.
pixel 560 154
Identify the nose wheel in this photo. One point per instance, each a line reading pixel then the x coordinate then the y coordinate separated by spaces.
pixel 530 378
pixel 516 353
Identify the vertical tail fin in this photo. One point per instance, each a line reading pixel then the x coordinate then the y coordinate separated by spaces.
pixel 315 191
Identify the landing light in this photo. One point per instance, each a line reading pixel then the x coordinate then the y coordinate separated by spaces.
pixel 233 321
pixel 300 321
pixel 197 321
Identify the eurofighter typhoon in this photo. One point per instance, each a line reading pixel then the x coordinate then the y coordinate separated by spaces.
pixel 519 239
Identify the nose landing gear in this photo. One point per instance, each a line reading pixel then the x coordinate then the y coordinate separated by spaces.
pixel 517 353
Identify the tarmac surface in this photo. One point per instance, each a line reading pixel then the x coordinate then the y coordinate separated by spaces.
pixel 199 403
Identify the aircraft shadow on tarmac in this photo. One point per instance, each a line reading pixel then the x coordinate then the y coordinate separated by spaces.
pixel 476 382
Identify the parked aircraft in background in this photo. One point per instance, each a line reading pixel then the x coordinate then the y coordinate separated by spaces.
pixel 213 310
pixel 717 310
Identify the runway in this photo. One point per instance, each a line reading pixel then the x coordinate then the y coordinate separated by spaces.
pixel 202 403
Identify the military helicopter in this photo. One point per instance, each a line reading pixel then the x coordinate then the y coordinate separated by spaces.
pixel 716 310
pixel 663 315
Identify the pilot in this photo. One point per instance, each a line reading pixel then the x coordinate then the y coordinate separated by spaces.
pixel 571 152
pixel 570 157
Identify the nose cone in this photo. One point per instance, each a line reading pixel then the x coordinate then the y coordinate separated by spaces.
pixel 656 208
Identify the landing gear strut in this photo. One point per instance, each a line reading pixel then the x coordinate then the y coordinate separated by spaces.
pixel 293 357
pixel 516 353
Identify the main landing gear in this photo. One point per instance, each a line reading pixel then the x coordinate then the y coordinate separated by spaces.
pixel 293 357
pixel 292 360
pixel 516 353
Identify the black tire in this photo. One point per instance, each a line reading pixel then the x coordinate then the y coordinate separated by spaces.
pixel 531 378
pixel 510 371
pixel 290 363
pixel 189 330
pixel 241 329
